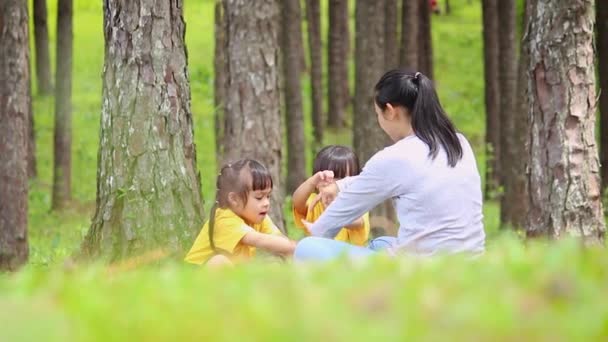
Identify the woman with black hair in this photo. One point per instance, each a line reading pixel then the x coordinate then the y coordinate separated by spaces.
pixel 429 172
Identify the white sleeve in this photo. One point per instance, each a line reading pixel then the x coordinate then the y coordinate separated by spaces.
pixel 378 182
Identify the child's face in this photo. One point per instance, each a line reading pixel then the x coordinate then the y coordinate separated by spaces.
pixel 256 208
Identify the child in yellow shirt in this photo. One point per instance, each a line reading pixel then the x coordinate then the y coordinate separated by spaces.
pixel 239 222
pixel 343 162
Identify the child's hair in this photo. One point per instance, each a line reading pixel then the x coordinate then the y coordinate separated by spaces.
pixel 339 159
pixel 430 123
pixel 241 177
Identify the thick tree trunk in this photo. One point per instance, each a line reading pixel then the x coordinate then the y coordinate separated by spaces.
pixel 408 55
pixel 507 76
pixel 41 37
pixel 492 98
pixel 368 137
pixel 253 118
pixel 602 51
pixel 15 75
pixel 313 16
pixel 219 80
pixel 514 204
pixel 391 51
pixel 564 178
pixel 148 187
pixel 425 41
pixel 294 117
pixel 337 59
pixel 62 166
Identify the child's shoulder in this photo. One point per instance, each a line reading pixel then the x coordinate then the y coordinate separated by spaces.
pixel 227 215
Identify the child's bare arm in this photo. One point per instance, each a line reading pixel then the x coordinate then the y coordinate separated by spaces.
pixel 300 196
pixel 273 243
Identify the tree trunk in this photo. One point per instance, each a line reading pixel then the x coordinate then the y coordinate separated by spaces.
pixel 507 77
pixel 448 8
pixel 564 178
pixel 368 137
pixel 253 118
pixel 391 51
pixel 602 51
pixel 62 162
pixel 425 41
pixel 409 35
pixel 219 81
pixel 313 16
pixel 492 98
pixel 15 75
pixel 337 58
pixel 514 203
pixel 148 187
pixel 32 170
pixel 41 37
pixel 294 117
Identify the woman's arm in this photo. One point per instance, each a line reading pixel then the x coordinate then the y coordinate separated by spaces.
pixel 273 243
pixel 358 223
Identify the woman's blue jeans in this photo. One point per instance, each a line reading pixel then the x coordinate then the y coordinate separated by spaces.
pixel 321 249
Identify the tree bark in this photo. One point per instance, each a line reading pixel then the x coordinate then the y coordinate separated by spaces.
pixel 507 76
pixel 564 178
pixel 409 34
pixel 602 52
pixel 62 161
pixel 220 78
pixel 148 187
pixel 313 16
pixel 492 98
pixel 338 66
pixel 253 118
pixel 15 75
pixel 391 52
pixel 41 37
pixel 294 117
pixel 425 41
pixel 368 137
pixel 32 170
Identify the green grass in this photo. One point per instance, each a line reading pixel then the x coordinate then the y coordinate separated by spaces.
pixel 536 291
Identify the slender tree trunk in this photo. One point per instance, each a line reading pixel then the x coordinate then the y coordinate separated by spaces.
pixel 219 80
pixel 337 59
pixel 602 51
pixel 313 16
pixel 391 52
pixel 32 171
pixel 253 118
pixel 62 165
pixel 368 137
pixel 507 76
pixel 294 117
pixel 425 41
pixel 148 187
pixel 15 75
pixel 408 54
pixel 448 8
pixel 492 98
pixel 564 179
pixel 41 37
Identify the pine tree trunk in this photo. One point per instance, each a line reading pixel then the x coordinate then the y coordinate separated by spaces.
pixel 219 80
pixel 32 170
pixel 425 41
pixel 368 137
pixel 492 98
pixel 62 162
pixel 294 117
pixel 41 37
pixel 338 67
pixel 253 118
pixel 313 16
pixel 15 75
pixel 391 52
pixel 602 51
pixel 507 76
pixel 409 35
pixel 448 8
pixel 564 178
pixel 148 187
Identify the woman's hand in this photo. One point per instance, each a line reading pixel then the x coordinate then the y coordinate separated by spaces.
pixel 323 178
pixel 327 194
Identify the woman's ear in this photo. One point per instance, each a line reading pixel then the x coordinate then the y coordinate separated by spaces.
pixel 390 112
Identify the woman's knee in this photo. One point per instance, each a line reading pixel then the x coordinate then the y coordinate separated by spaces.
pixel 310 248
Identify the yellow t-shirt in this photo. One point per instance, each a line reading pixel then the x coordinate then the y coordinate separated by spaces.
pixel 355 236
pixel 228 231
